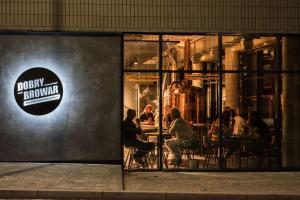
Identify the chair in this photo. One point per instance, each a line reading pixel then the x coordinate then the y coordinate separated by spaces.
pixel 130 159
pixel 211 151
pixel 165 156
pixel 270 152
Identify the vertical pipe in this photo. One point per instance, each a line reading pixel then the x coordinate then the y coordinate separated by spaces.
pixel 232 85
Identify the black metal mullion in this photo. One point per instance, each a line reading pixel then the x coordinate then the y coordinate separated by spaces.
pixel 220 100
pixel 277 105
pixel 160 164
pixel 122 106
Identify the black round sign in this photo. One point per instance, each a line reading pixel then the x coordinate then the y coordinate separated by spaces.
pixel 38 91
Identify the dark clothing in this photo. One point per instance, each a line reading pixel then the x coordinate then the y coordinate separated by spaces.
pixel 262 132
pixel 146 116
pixel 232 145
pixel 130 132
pixel 260 139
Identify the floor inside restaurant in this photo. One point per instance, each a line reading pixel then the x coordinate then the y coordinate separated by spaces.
pixel 36 177
pixel 235 162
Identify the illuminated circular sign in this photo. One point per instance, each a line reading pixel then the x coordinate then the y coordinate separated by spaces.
pixel 38 91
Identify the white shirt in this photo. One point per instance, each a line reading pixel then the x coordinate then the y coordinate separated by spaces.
pixel 181 128
pixel 239 125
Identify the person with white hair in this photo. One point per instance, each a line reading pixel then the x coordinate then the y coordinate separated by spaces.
pixel 180 130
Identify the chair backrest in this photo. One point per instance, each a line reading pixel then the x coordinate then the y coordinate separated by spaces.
pixel 205 141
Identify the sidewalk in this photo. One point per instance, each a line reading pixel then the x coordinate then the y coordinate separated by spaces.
pixel 57 181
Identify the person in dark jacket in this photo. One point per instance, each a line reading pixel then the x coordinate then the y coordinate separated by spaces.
pixel 130 139
pixel 259 134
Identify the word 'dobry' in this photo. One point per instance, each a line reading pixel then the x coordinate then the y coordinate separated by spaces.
pixel 30 84
pixel 35 88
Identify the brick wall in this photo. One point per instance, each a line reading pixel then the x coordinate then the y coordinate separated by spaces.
pixel 227 16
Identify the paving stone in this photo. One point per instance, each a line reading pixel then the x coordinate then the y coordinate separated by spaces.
pixel 46 194
pixel 10 193
pixel 289 197
pixel 36 180
pixel 60 176
pixel 263 197
pixel 237 197
pixel 270 183
pixel 127 195
pixel 195 196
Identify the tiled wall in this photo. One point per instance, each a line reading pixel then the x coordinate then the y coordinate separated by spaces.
pixel 228 16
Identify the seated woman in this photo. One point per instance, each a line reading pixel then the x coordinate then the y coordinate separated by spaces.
pixel 240 123
pixel 213 135
pixel 147 117
pixel 130 132
pixel 182 130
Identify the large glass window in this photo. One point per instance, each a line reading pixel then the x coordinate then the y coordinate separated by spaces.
pixel 141 52
pixel 190 84
pixel 249 92
pixel 214 107
pixel 141 93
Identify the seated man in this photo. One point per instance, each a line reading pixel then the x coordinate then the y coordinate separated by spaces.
pixel 182 130
pixel 130 132
pixel 147 116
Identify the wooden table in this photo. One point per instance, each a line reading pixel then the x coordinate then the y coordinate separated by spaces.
pixel 149 128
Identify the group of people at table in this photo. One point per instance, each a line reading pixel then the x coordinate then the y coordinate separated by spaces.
pixel 235 125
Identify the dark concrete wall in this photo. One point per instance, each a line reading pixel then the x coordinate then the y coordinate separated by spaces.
pixel 86 125
pixel 290 103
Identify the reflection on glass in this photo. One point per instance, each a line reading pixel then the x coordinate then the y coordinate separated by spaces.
pixel 290 109
pixel 250 101
pixel 249 53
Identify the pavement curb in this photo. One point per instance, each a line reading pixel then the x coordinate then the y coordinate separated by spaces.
pixel 134 195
